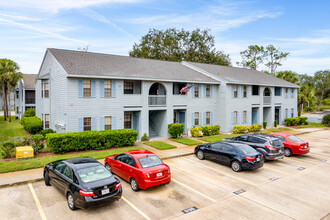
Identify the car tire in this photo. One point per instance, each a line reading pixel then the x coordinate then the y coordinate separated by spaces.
pixel 134 185
pixel 200 155
pixel 107 166
pixel 70 200
pixel 287 152
pixel 236 166
pixel 46 178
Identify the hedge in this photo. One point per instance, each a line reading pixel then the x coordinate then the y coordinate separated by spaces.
pixel 30 112
pixel 32 124
pixel 175 129
pixel 207 130
pixel 296 121
pixel 47 131
pixel 326 120
pixel 239 129
pixel 254 128
pixel 61 143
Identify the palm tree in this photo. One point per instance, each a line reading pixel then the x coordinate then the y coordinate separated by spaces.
pixel 10 77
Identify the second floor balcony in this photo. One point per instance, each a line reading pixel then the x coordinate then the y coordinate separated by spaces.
pixel 267 100
pixel 157 100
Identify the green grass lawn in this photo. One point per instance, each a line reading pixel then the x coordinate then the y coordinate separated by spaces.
pixel 10 166
pixel 186 141
pixel 310 125
pixel 10 129
pixel 280 129
pixel 216 138
pixel 160 145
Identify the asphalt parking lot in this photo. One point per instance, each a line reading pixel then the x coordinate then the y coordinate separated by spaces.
pixel 292 188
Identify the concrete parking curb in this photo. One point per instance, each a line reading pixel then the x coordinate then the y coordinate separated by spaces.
pixel 176 156
pixel 21 183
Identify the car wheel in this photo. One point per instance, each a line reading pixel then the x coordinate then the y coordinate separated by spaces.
pixel 107 166
pixel 46 178
pixel 200 155
pixel 134 185
pixel 71 204
pixel 287 152
pixel 236 166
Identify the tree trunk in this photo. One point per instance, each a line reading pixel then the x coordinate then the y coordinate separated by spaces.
pixel 4 102
pixel 9 110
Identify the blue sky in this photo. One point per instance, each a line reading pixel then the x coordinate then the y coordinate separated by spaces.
pixel 301 27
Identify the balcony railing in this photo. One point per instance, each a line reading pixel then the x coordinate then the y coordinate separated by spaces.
pixel 267 100
pixel 30 101
pixel 157 100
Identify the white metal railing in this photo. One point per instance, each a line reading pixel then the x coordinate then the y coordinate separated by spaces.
pixel 267 100
pixel 157 100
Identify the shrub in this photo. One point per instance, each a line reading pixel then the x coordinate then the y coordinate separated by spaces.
pixel 296 121
pixel 47 131
pixel 207 130
pixel 145 137
pixel 264 124
pixel 30 112
pixel 321 109
pixel 254 128
pixel 325 101
pixel 326 120
pixel 8 149
pixel 303 120
pixel 309 109
pixel 90 140
pixel 32 124
pixel 37 143
pixel 239 129
pixel 275 123
pixel 175 129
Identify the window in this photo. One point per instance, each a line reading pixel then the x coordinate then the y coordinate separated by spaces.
pixel 68 172
pixel 177 88
pixel 107 123
pixel 196 118
pixel 196 91
pixel 150 161
pixel 216 146
pixel 235 117
pixel 42 119
pixel 93 173
pixel 277 91
pixel 235 91
pixel 59 167
pixel 286 92
pixel 46 120
pixel 253 140
pixel 281 138
pixel 131 161
pixel 87 124
pixel 295 139
pixel 46 90
pixel 227 148
pixel 208 118
pixel 292 93
pixel 127 120
pixel 128 87
pixel 107 88
pixel 255 90
pixel 17 95
pixel 122 158
pixel 286 113
pixel 208 91
pixel 244 117
pixel 87 88
pixel 292 113
pixel 42 89
pixel 244 91
pixel 242 138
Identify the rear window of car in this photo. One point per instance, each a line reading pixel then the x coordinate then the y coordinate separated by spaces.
pixel 150 161
pixel 277 143
pixel 294 139
pixel 246 149
pixel 94 173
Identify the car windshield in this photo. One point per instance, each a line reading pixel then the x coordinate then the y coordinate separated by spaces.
pixel 294 139
pixel 94 173
pixel 150 161
pixel 246 149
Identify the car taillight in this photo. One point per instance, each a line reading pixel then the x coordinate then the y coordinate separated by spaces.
pixel 270 147
pixel 86 193
pixel 250 158
pixel 118 186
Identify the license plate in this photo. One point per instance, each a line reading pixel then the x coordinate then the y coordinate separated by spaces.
pixel 258 159
pixel 105 191
pixel 159 174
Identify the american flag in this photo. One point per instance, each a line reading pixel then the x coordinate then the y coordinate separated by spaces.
pixel 185 89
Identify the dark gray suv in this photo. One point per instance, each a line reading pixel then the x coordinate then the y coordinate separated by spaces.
pixel 271 147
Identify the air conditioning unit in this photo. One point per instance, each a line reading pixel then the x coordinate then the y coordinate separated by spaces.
pixel 59 125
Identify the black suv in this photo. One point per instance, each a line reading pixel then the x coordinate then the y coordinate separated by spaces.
pixel 271 147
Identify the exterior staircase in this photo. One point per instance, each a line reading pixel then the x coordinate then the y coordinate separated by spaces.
pixel 152 127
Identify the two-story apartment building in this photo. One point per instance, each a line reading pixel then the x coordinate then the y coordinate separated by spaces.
pixel 25 94
pixel 77 91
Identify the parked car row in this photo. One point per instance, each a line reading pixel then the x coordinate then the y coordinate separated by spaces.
pixel 86 182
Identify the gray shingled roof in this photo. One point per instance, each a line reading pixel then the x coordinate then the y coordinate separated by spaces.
pixel 96 64
pixel 29 81
pixel 242 76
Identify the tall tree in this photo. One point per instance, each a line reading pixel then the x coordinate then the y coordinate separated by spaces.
pixel 177 45
pixel 288 76
pixel 252 57
pixel 321 85
pixel 274 57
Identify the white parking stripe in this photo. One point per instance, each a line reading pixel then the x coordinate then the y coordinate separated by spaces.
pixel 41 211
pixel 280 171
pixel 188 187
pixel 135 208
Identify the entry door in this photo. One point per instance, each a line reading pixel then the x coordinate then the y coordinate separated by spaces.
pixel 277 114
pixel 254 116
pixel 136 124
pixel 182 119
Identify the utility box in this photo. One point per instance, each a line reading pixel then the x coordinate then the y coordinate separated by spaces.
pixel 25 152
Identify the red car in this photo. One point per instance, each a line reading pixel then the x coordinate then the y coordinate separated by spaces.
pixel 142 168
pixel 292 144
